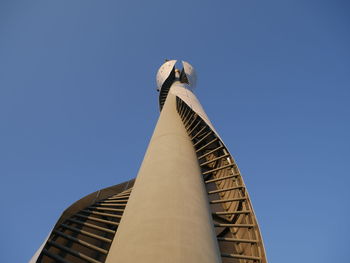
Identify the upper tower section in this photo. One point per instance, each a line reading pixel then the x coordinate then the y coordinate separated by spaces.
pixel 168 74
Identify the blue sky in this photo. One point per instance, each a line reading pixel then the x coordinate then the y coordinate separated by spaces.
pixel 78 105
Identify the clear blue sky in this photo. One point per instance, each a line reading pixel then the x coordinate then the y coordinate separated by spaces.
pixel 78 105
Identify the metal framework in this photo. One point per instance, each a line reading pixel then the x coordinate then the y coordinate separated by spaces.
pixel 227 231
pixel 85 231
pixel 234 220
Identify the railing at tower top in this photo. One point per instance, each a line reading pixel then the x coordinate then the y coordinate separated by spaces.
pixel 236 227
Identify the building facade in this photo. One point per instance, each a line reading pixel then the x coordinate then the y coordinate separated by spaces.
pixel 188 202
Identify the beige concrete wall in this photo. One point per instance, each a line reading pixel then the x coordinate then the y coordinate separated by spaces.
pixel 167 218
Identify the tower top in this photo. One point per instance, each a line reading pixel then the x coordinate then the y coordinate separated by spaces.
pixel 167 74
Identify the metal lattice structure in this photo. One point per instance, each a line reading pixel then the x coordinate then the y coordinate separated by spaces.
pixel 86 230
pixel 188 203
pixel 235 224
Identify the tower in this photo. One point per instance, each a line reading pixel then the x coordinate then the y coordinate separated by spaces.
pixel 188 202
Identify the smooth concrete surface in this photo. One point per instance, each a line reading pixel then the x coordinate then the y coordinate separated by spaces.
pixel 167 218
pixel 37 253
pixel 182 91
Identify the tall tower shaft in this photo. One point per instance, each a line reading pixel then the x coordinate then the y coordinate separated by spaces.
pixel 188 203
pixel 167 218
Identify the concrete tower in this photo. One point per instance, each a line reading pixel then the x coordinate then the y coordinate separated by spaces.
pixel 188 202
